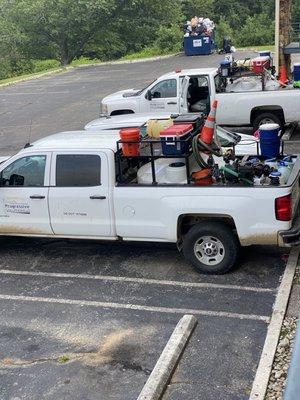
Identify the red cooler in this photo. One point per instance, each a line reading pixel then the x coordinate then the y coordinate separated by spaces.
pixel 260 63
pixel 175 139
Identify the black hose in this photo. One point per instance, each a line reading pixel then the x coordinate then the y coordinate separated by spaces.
pixel 199 146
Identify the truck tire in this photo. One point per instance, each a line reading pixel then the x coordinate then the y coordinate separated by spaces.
pixel 267 118
pixel 211 247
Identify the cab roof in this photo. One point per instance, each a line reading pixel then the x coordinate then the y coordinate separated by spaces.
pixel 192 71
pixel 77 140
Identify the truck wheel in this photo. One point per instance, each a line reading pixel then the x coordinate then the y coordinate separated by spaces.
pixel 267 118
pixel 211 247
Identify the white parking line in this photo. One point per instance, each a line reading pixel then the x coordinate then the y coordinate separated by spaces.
pixel 201 285
pixel 134 307
pixel 264 369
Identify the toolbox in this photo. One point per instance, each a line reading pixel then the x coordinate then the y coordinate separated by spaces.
pixel 175 139
pixel 197 120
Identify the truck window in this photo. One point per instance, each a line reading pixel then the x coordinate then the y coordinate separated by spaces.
pixel 26 171
pixel 219 84
pixel 78 170
pixel 198 94
pixel 165 89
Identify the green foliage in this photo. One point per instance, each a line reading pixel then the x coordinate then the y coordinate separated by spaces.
pixel 258 30
pixel 223 30
pixel 44 65
pixel 199 8
pixel 60 31
pixel 169 39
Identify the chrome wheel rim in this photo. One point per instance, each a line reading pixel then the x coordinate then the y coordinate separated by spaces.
pixel 209 250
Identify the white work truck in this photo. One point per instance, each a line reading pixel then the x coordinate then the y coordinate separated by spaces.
pixel 194 90
pixel 68 185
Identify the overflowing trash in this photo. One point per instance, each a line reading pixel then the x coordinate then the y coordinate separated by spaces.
pixel 199 37
pixel 199 26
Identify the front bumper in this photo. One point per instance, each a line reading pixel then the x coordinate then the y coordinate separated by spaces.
pixel 291 237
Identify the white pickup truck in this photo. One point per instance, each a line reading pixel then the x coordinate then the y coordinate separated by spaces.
pixel 68 186
pixel 193 90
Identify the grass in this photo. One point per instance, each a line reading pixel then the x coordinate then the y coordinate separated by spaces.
pixel 32 75
pixel 85 61
pixel 270 47
pixel 146 53
pixel 63 359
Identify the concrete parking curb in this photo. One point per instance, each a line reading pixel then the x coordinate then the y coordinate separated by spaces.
pixel 162 372
pixel 264 369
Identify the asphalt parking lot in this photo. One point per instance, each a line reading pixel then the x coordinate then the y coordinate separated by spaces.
pixel 83 320
pixel 36 108
pixel 87 320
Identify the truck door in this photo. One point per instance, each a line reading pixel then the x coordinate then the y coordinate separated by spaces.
pixel 79 195
pixel 163 96
pixel 24 187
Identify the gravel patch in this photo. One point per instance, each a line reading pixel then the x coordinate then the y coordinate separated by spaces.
pixel 297 276
pixel 282 360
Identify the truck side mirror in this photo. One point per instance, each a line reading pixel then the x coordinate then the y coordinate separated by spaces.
pixel 149 95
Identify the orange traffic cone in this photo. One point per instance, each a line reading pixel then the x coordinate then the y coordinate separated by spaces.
pixel 283 79
pixel 208 130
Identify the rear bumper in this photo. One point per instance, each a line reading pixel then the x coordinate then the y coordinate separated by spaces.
pixel 291 237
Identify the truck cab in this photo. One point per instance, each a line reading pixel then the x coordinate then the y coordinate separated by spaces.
pixel 176 92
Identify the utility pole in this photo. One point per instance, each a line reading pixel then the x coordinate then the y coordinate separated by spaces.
pixel 283 19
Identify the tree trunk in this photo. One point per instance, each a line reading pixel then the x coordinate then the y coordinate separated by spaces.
pixel 285 32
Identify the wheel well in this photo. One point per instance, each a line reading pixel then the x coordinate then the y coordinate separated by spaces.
pixel 277 110
pixel 121 112
pixel 185 222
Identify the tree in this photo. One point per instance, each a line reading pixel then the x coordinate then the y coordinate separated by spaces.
pixel 200 8
pixel 258 30
pixel 223 29
pixel 61 27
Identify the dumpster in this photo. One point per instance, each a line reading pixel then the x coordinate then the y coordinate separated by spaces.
pixel 199 45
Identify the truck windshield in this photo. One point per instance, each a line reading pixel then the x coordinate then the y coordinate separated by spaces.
pixel 146 87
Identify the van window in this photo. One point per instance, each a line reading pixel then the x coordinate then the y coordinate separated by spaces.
pixel 78 170
pixel 26 171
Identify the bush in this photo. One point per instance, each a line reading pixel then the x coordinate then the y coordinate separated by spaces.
pixel 258 30
pixel 15 67
pixel 44 65
pixel 169 39
pixel 223 29
pixel 5 68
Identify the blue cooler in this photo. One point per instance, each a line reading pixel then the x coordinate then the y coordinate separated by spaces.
pixel 225 68
pixel 269 140
pixel 265 53
pixel 175 139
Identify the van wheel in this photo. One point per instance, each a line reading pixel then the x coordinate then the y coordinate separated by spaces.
pixel 211 247
pixel 267 118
